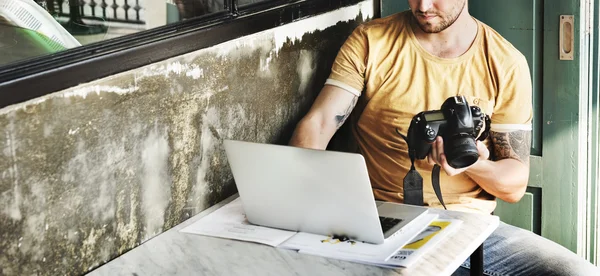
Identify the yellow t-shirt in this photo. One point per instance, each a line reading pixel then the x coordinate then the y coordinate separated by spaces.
pixel 395 78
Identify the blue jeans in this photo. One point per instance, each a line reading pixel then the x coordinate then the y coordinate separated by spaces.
pixel 513 251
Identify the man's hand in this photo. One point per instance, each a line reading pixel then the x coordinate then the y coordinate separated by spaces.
pixel 437 156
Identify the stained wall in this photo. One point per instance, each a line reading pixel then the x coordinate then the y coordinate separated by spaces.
pixel 91 172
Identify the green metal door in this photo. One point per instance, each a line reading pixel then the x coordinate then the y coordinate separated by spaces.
pixel 554 205
pixel 521 23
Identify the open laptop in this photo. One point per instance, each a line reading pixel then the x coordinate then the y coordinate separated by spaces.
pixel 314 191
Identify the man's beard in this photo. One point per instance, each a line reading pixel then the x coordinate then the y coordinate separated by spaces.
pixel 446 21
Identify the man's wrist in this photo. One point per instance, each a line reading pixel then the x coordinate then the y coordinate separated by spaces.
pixel 478 167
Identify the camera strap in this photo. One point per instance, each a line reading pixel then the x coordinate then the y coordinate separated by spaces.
pixel 413 185
pixel 413 181
pixel 435 181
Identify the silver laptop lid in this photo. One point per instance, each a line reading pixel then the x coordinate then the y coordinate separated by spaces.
pixel 314 191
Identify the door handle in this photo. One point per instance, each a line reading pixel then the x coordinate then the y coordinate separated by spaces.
pixel 566 39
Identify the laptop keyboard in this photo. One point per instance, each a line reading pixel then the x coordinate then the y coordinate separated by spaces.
pixel 388 223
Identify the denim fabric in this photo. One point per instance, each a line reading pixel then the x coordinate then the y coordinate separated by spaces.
pixel 513 251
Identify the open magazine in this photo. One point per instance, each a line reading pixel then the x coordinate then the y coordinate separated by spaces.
pixel 435 232
pixel 229 221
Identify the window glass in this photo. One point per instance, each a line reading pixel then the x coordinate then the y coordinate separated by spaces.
pixel 32 28
pixel 193 8
pixel 248 2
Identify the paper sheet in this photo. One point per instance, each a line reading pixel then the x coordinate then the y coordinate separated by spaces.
pixel 230 222
pixel 355 250
pixel 437 231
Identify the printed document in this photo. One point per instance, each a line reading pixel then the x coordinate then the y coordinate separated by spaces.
pixel 350 250
pixel 230 222
pixel 423 242
pixel 401 249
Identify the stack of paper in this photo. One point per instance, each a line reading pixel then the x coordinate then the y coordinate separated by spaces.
pixel 230 222
pixel 403 249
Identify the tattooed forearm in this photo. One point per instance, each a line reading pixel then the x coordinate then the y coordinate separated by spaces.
pixel 515 144
pixel 341 118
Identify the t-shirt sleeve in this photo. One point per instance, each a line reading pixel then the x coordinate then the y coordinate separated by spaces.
pixel 348 70
pixel 513 109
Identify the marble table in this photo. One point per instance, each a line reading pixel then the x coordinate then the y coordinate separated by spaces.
pixel 176 253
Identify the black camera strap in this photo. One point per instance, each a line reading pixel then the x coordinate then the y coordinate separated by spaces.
pixel 435 181
pixel 413 186
pixel 413 181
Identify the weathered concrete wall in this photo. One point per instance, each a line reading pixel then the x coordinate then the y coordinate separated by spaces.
pixel 89 173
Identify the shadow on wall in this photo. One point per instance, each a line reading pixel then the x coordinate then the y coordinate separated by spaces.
pixel 93 171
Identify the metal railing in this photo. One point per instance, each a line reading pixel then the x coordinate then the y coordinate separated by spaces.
pixel 123 11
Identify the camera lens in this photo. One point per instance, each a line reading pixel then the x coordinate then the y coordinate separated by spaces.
pixel 461 150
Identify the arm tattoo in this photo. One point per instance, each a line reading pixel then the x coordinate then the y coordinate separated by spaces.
pixel 515 145
pixel 341 118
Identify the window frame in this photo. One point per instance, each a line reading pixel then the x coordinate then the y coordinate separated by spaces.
pixel 32 78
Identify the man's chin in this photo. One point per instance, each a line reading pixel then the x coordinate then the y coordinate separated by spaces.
pixel 430 28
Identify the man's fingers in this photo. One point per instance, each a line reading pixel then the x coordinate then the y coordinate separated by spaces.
pixel 440 147
pixel 430 159
pixel 449 170
pixel 434 152
pixel 483 150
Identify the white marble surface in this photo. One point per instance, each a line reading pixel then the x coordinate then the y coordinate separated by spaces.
pixel 175 253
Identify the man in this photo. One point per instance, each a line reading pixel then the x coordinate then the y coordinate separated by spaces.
pixel 390 69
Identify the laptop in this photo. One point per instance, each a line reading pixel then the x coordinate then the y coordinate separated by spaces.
pixel 314 191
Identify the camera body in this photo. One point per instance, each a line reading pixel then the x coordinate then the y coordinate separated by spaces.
pixel 457 123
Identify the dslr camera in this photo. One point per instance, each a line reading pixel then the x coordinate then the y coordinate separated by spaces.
pixel 457 123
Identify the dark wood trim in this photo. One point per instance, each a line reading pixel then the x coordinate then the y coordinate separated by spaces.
pixel 377 8
pixel 37 77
